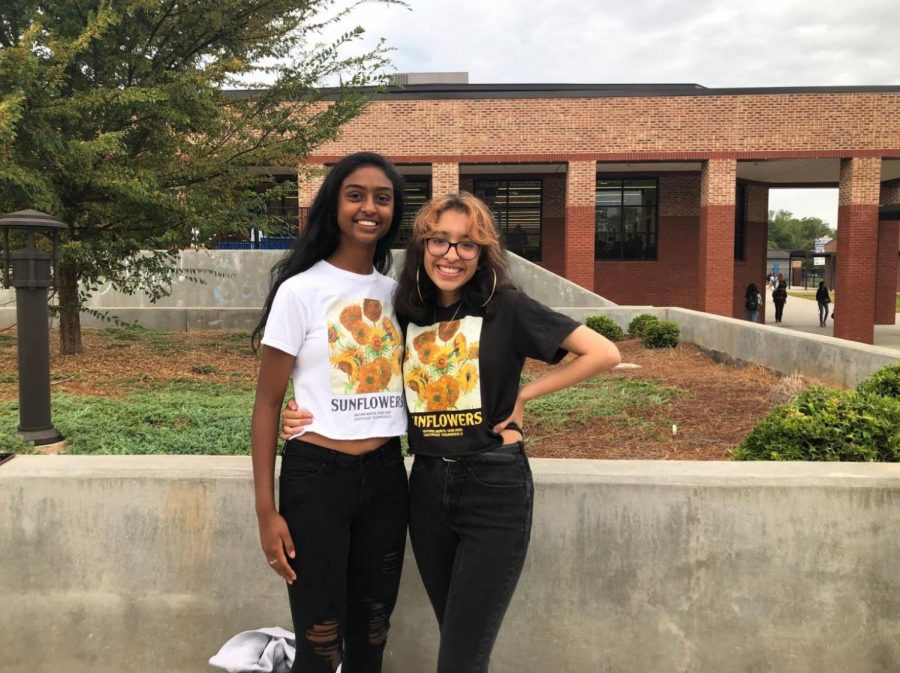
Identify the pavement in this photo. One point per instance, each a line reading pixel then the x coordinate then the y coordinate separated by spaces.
pixel 802 315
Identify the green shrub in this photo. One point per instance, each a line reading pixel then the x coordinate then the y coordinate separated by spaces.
pixel 884 382
pixel 826 424
pixel 661 334
pixel 639 323
pixel 605 326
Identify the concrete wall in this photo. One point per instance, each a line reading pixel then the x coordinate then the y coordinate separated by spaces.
pixel 146 564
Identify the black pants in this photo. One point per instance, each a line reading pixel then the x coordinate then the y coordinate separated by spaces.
pixel 347 516
pixel 470 524
pixel 779 310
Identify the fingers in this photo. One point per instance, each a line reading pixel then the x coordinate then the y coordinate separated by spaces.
pixel 279 563
pixel 278 547
pixel 292 405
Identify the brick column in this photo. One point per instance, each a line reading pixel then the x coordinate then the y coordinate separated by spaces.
pixel 578 253
pixel 886 264
pixel 309 180
pixel 857 246
pixel 444 179
pixel 716 241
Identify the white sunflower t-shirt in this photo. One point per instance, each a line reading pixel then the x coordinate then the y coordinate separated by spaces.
pixel 342 330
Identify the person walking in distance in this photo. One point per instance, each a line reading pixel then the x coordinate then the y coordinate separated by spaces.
pixel 823 299
pixel 779 297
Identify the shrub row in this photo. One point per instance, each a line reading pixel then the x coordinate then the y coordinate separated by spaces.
pixel 827 424
pixel 653 332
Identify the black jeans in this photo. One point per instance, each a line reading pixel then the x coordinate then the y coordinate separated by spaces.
pixel 470 524
pixel 347 516
pixel 779 310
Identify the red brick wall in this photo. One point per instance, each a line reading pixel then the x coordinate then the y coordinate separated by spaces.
pixel 857 248
pixel 886 272
pixel 670 280
pixel 890 194
pixel 444 178
pixel 553 235
pixel 581 185
pixel 752 269
pixel 622 128
pixel 716 240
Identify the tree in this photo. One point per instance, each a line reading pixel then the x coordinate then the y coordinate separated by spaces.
pixel 789 233
pixel 116 118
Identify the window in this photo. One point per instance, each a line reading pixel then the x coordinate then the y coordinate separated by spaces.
pixel 416 192
pixel 517 208
pixel 740 223
pixel 626 220
pixel 285 207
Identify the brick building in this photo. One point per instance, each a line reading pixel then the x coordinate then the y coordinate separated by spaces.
pixel 652 194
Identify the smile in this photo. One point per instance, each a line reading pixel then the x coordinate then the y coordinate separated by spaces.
pixel 448 270
pixel 371 224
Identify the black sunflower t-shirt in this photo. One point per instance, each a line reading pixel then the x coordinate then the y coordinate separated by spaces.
pixel 461 371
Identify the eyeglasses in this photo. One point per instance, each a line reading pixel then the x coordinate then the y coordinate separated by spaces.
pixel 440 247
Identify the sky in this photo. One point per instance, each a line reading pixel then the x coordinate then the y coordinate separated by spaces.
pixel 716 43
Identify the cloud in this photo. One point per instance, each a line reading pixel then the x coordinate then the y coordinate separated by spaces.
pixel 718 44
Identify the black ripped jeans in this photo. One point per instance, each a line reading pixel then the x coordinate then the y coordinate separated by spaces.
pixel 470 524
pixel 347 516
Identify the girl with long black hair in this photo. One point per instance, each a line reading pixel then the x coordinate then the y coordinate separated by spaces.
pixel 339 532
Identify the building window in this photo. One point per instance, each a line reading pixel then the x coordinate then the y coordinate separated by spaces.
pixel 416 192
pixel 740 223
pixel 627 226
pixel 285 208
pixel 517 207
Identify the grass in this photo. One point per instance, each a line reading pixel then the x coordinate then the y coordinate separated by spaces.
pixel 199 417
pixel 180 417
pixel 624 400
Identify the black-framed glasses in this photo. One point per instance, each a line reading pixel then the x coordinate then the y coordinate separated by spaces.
pixel 439 247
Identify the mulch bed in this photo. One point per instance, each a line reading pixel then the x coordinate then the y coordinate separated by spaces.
pixel 720 405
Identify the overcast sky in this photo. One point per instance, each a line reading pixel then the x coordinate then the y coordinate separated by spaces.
pixel 723 43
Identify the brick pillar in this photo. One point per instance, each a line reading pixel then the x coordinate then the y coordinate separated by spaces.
pixel 309 180
pixel 886 264
pixel 716 241
pixel 578 253
pixel 444 179
pixel 857 246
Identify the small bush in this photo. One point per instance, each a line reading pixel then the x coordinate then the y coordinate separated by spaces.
pixel 830 425
pixel 661 334
pixel 605 326
pixel 884 382
pixel 639 323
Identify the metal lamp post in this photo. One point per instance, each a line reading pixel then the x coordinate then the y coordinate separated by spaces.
pixel 32 271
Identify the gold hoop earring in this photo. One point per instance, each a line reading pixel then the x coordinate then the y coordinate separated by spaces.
pixel 419 289
pixel 493 289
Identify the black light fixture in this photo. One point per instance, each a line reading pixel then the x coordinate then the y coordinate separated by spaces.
pixel 31 272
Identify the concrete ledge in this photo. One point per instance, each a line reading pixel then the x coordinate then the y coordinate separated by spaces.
pixel 144 563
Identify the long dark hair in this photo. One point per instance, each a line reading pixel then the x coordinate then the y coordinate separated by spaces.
pixel 321 236
pixel 751 291
pixel 417 295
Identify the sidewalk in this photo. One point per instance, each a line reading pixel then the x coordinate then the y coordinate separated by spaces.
pixel 802 315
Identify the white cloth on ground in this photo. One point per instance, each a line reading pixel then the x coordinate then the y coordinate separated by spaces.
pixel 269 650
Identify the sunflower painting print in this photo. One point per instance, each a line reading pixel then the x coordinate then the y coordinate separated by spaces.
pixel 364 348
pixel 440 366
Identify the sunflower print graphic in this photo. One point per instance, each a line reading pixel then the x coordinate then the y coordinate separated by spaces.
pixel 440 366
pixel 364 347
